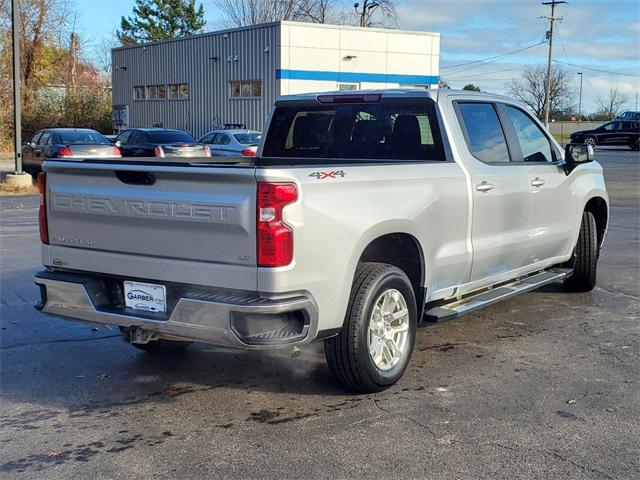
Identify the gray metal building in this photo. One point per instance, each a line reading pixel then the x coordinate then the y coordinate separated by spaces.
pixel 206 81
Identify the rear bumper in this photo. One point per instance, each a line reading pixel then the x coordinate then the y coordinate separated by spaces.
pixel 219 317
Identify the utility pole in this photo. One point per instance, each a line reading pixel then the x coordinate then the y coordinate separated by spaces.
pixel 17 123
pixel 367 8
pixel 547 92
pixel 580 98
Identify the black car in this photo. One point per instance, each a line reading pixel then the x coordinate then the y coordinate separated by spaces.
pixel 65 143
pixel 159 142
pixel 617 132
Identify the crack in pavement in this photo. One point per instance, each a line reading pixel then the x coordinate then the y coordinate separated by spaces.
pixel 598 347
pixel 551 453
pixel 63 340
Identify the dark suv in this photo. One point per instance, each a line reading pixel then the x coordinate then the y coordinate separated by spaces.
pixel 159 142
pixel 618 132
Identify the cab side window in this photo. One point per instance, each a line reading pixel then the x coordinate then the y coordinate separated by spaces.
pixel 534 144
pixel 485 136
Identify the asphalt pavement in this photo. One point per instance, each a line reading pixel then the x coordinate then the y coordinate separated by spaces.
pixel 546 385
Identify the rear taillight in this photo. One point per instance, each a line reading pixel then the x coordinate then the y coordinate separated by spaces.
pixel 65 152
pixel 159 151
pixel 275 238
pixel 42 211
pixel 207 151
pixel 248 152
pixel 116 152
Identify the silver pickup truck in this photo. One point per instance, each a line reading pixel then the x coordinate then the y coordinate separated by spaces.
pixel 363 215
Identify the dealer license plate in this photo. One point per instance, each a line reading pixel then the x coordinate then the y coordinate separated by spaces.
pixel 148 297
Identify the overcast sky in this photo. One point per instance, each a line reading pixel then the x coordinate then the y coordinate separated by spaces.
pixel 599 38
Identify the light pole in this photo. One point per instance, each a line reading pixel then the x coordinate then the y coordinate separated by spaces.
pixel 17 131
pixel 580 98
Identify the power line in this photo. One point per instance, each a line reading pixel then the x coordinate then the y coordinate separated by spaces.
pixel 486 73
pixel 599 70
pixel 490 59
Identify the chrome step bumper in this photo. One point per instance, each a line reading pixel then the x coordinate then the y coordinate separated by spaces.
pixel 199 316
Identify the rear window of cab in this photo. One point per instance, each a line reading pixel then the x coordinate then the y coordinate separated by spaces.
pixel 386 130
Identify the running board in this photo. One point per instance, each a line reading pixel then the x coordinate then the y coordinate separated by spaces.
pixel 449 311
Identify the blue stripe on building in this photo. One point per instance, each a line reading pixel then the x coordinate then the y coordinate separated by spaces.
pixel 354 77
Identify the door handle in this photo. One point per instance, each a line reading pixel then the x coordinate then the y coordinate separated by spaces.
pixel 484 187
pixel 537 182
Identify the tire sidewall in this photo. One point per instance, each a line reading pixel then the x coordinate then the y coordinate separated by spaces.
pixel 392 279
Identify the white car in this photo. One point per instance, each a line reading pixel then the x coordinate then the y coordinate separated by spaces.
pixel 232 143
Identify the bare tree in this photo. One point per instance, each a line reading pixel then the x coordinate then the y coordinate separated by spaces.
pixel 530 89
pixel 241 13
pixel 611 104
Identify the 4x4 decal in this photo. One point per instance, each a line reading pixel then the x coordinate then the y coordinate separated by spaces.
pixel 325 175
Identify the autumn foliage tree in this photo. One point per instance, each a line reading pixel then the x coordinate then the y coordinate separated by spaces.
pixel 59 88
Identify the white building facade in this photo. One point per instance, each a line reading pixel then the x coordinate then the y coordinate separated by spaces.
pixel 233 77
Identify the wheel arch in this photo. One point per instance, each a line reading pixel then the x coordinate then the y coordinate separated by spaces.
pixel 599 208
pixel 404 251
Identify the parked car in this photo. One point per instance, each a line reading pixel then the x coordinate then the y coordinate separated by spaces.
pixel 65 143
pixel 364 214
pixel 617 132
pixel 232 143
pixel 159 142
pixel 629 116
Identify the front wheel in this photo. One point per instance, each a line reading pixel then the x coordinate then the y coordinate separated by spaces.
pixel 585 257
pixel 635 145
pixel 373 349
pixel 590 141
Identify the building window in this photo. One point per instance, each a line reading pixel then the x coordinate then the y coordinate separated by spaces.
pixel 139 92
pixel 246 89
pixel 179 91
pixel 156 92
pixel 348 87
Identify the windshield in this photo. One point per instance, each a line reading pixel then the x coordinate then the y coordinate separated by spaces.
pixel 387 130
pixel 248 138
pixel 171 136
pixel 82 137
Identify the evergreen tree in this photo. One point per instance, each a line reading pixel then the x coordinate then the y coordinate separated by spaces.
pixel 471 87
pixel 154 20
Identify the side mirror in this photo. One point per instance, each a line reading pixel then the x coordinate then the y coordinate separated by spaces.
pixel 26 143
pixel 578 153
pixel 118 143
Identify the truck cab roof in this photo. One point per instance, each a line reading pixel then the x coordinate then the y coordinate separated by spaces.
pixel 435 94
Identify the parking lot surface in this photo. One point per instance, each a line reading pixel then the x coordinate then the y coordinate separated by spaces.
pixel 546 385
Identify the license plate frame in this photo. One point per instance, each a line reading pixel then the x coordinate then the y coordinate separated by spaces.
pixel 145 297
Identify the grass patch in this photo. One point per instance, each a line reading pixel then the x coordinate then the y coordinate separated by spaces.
pixel 7 189
pixel 564 138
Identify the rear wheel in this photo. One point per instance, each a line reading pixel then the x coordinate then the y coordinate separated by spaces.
pixel 585 257
pixel 373 349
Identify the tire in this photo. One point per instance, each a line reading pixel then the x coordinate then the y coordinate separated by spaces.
pixel 162 346
pixel 585 257
pixel 590 141
pixel 635 145
pixel 350 354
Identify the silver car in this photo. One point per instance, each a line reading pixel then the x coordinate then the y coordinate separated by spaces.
pixel 232 143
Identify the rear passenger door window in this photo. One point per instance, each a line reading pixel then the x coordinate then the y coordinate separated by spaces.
pixel 534 144
pixel 484 134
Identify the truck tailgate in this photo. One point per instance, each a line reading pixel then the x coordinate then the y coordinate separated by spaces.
pixel 172 213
